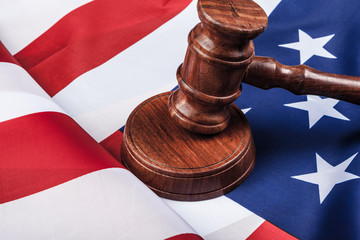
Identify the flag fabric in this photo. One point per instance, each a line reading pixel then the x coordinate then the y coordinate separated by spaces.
pixel 56 182
pixel 98 59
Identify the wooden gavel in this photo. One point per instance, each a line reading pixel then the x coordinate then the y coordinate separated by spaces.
pixel 194 143
pixel 221 56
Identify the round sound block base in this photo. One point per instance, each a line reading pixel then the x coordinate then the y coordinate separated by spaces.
pixel 181 165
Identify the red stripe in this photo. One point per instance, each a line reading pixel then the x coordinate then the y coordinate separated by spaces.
pixel 113 144
pixel 268 231
pixel 91 35
pixel 41 150
pixel 186 236
pixel 5 55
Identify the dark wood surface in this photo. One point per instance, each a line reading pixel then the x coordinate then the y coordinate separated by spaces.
pixel 266 73
pixel 220 50
pixel 182 165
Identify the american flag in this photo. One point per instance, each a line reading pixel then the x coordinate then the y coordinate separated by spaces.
pixel 72 71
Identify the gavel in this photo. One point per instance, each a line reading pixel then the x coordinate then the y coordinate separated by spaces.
pixel 194 143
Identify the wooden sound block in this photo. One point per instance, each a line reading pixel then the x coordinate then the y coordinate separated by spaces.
pixel 182 165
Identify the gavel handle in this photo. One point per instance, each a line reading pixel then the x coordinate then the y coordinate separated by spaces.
pixel 266 73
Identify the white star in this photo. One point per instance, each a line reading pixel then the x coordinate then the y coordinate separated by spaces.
pixel 309 46
pixel 318 107
pixel 327 176
pixel 245 110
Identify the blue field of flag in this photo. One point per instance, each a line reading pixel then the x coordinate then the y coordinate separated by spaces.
pixel 306 179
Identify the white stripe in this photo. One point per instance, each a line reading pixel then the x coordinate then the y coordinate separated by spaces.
pixel 210 216
pixel 20 95
pixel 107 204
pixel 22 21
pixel 102 122
pixel 101 99
pixel 239 230
pixel 268 5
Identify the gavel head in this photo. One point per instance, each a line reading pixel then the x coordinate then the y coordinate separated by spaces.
pixel 219 52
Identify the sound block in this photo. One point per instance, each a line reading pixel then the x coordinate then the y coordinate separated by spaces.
pixel 182 165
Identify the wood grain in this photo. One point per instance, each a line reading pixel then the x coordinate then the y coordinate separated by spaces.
pixel 182 165
pixel 220 50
